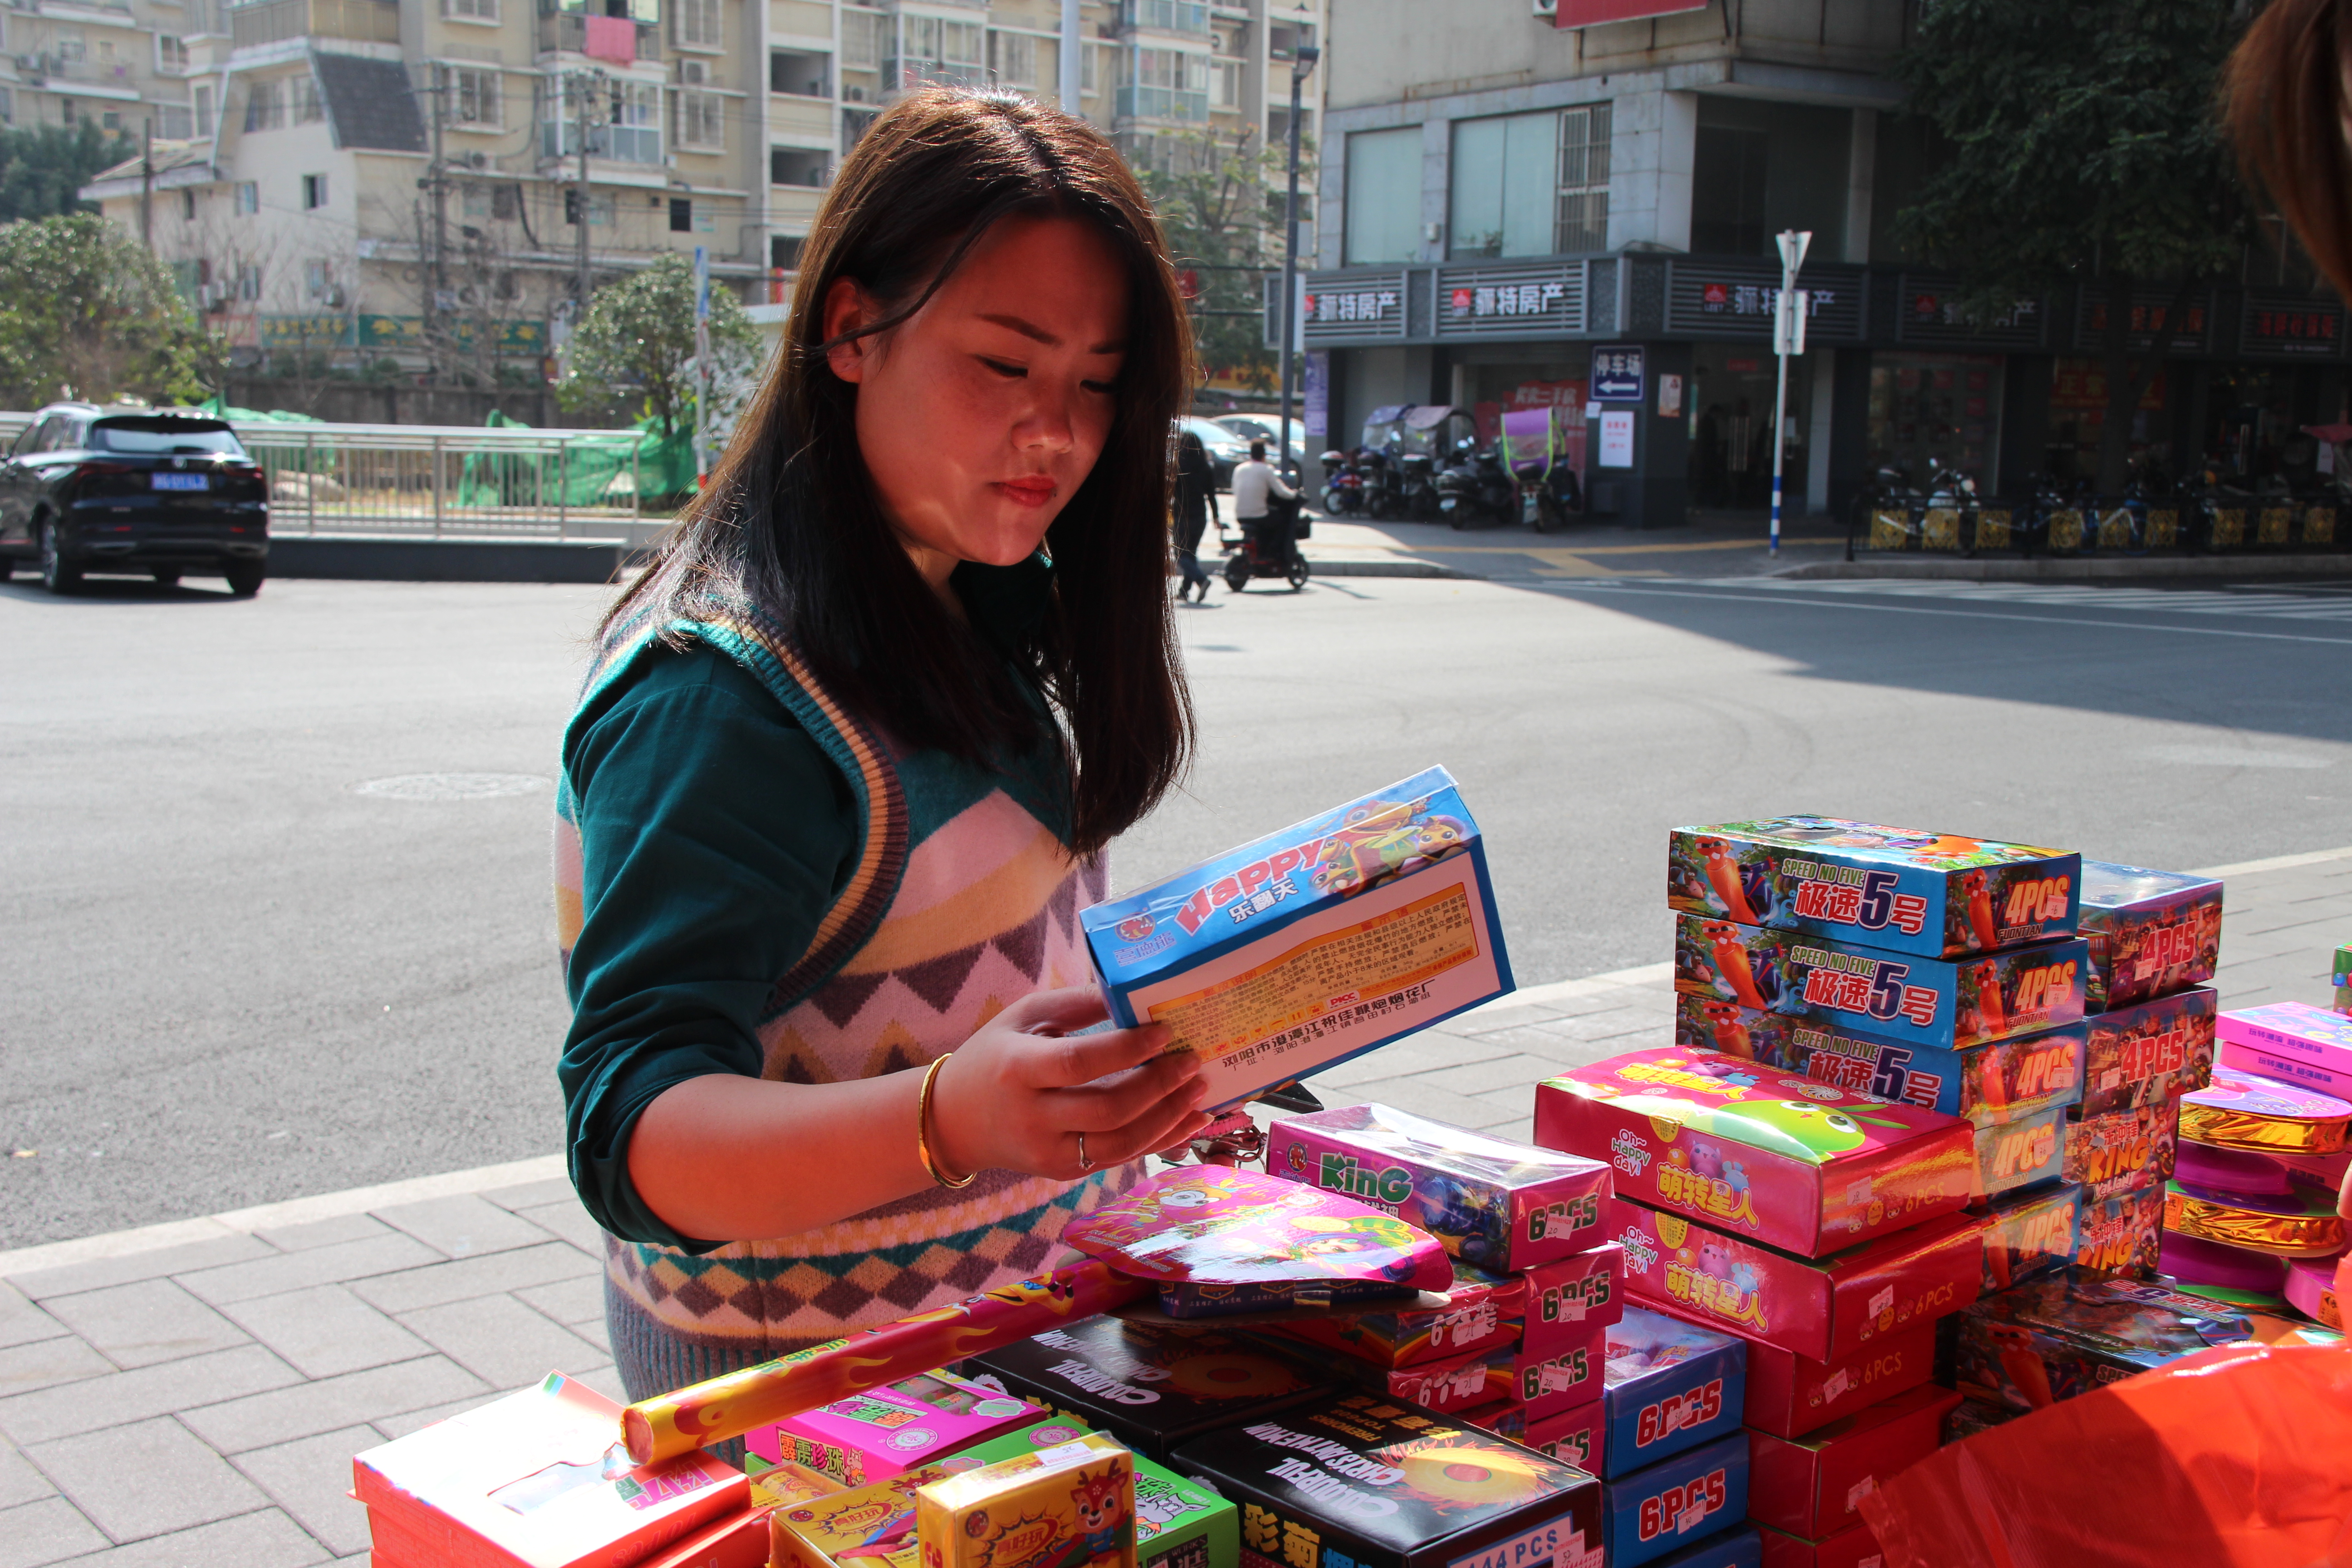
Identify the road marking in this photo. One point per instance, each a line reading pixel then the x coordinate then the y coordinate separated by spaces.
pixel 2180 602
pixel 1693 591
pixel 2277 863
pixel 1684 548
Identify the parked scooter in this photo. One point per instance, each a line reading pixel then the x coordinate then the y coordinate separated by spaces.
pixel 1474 488
pixel 1417 480
pixel 1343 486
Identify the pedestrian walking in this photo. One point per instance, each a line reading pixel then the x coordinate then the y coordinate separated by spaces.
pixel 1196 503
pixel 1254 483
pixel 850 753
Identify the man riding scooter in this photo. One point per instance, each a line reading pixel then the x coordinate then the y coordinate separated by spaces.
pixel 1267 511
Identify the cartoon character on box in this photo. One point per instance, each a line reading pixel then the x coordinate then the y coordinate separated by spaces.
pixel 1101 1509
pixel 1976 899
pixel 1479 1216
pixel 1736 972
pixel 1744 892
pixel 1380 840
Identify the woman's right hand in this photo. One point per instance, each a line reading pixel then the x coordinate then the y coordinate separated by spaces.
pixel 1017 1094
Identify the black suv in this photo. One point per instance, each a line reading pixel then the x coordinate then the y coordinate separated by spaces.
pixel 152 493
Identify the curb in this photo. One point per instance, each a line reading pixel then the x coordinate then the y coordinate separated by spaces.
pixel 1389 569
pixel 450 560
pixel 2075 568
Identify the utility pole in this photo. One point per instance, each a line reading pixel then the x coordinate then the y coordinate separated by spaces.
pixel 147 185
pixel 1069 68
pixel 437 276
pixel 584 83
pixel 1787 338
pixel 701 367
pixel 1303 59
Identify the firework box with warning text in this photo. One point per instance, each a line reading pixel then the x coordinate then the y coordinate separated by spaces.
pixel 1178 1523
pixel 1948 1003
pixel 1151 1385
pixel 2143 1052
pixel 1386 1487
pixel 540 1478
pixel 1579 1437
pixel 1757 1151
pixel 1066 1507
pixel 2125 1151
pixel 873 1435
pixel 2029 1234
pixel 1572 1295
pixel 2150 932
pixel 2055 1338
pixel 1498 1204
pixel 1482 1311
pixel 1938 895
pixel 1993 1082
pixel 1669 1385
pixel 1821 1308
pixel 848 1529
pixel 2293 1041
pixel 1313 945
pixel 1813 1486
pixel 1677 1501
pixel 2023 1153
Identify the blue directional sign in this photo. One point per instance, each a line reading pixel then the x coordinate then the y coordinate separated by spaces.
pixel 1618 374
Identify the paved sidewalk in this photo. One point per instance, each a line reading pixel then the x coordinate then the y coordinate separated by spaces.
pixel 189 1395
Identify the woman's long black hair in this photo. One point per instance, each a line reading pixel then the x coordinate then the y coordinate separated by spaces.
pixel 791 523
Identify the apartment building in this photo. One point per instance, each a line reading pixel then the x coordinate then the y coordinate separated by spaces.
pixel 389 179
pixel 63 62
pixel 1573 203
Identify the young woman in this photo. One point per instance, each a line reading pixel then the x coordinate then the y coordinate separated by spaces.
pixel 849 756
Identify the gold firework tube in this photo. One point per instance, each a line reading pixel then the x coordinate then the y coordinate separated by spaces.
pixel 728 1406
pixel 2260 1115
pixel 2302 1223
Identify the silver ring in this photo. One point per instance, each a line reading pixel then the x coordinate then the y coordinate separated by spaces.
pixel 1084 1163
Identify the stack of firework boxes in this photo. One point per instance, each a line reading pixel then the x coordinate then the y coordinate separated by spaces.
pixel 1880 1037
pixel 1535 1342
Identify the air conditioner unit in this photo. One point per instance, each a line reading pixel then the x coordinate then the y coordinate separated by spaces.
pixel 477 160
pixel 1547 9
pixel 693 73
pixel 333 298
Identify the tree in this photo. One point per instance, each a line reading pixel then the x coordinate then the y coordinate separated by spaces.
pixel 44 167
pixel 637 342
pixel 1220 199
pixel 2081 147
pixel 84 305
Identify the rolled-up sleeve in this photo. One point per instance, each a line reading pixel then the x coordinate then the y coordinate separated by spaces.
pixel 714 834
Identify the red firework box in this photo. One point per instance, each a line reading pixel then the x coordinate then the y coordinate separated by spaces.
pixel 1939 895
pixel 2015 1154
pixel 1757 1152
pixel 1813 1486
pixel 2125 1151
pixel 1855 1547
pixel 1569 1299
pixel 1482 1311
pixel 2143 1052
pixel 1790 1394
pixel 1947 1004
pixel 1543 1384
pixel 1824 1309
pixel 1498 1204
pixel 1577 1435
pixel 2150 932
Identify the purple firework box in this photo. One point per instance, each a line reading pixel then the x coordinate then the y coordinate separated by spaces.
pixel 1948 1005
pixel 2151 933
pixel 1495 1203
pixel 1312 945
pixel 2149 1051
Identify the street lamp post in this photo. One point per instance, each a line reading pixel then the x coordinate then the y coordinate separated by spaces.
pixel 1787 338
pixel 1302 61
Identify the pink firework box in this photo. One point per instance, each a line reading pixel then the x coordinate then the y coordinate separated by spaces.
pixel 1569 1297
pixel 1824 1309
pixel 1562 1377
pixel 2294 1042
pixel 1578 1437
pixel 874 1435
pixel 1757 1152
pixel 1312 945
pixel 1494 1202
pixel 1482 1311
pixel 538 1479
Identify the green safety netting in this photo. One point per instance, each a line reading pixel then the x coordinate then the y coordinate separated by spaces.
pixel 591 471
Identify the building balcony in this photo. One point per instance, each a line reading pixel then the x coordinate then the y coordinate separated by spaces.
pixel 566 33
pixel 1163 103
pixel 277 21
pixel 109 80
pixel 1186 17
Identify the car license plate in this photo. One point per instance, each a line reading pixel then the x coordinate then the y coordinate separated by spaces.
pixel 182 482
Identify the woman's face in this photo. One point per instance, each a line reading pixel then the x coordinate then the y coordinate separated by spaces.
pixel 980 414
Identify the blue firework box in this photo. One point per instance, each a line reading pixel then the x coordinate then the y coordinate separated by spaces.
pixel 1939 895
pixel 1306 947
pixel 1738 1547
pixel 1676 1502
pixel 1949 1005
pixel 2004 1081
pixel 1668 1386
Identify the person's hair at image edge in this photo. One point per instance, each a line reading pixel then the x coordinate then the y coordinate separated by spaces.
pixel 790 520
pixel 2284 101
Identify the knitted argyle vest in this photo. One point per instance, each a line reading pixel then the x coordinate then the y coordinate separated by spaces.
pixel 962 901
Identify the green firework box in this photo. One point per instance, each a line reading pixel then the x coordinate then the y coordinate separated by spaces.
pixel 1359 1482
pixel 1947 1004
pixel 1938 895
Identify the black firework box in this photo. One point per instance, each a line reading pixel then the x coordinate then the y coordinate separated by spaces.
pixel 1359 1482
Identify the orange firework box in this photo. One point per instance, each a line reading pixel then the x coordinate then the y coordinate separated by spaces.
pixel 1066 1507
pixel 852 1528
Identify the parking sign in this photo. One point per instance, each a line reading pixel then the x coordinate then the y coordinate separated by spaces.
pixel 1617 374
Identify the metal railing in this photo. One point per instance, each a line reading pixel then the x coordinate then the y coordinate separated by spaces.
pixel 444 482
pixel 275 21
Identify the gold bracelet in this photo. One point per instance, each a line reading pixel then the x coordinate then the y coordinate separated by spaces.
pixel 923 1128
